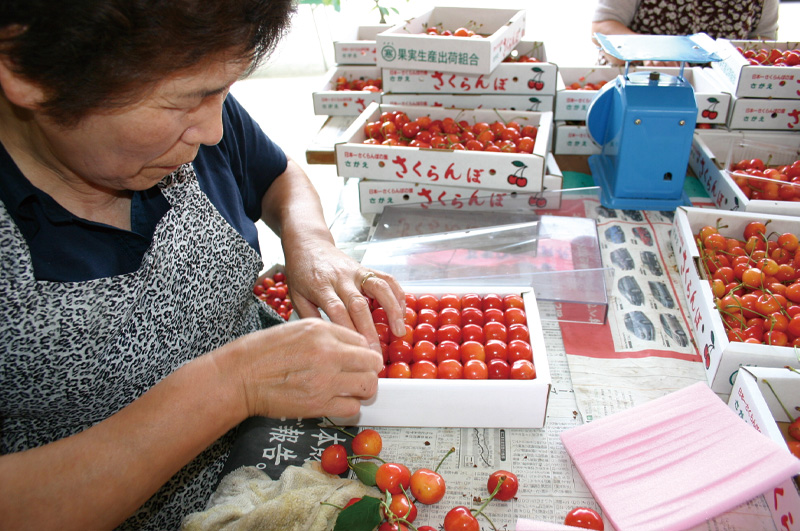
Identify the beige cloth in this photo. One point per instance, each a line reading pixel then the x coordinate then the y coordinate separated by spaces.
pixel 248 500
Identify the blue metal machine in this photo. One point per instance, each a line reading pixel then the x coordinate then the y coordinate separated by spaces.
pixel 644 122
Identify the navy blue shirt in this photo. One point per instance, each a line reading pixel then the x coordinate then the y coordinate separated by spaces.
pixel 234 174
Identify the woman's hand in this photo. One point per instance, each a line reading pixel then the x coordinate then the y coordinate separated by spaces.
pixel 322 277
pixel 302 369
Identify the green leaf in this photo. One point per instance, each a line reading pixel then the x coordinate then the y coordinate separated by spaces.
pixel 518 163
pixel 364 515
pixel 365 471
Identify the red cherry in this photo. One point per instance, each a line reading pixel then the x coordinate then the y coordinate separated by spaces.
pixel 334 459
pixel 460 519
pixel 427 486
pixel 585 518
pixel 393 477
pixel 509 487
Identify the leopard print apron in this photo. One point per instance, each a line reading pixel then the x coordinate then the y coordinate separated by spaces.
pixel 74 353
pixel 717 18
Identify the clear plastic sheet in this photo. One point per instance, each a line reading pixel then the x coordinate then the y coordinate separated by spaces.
pixel 559 257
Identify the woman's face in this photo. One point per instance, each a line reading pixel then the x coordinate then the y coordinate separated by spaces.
pixel 134 147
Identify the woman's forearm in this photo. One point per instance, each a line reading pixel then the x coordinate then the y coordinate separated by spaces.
pixel 99 477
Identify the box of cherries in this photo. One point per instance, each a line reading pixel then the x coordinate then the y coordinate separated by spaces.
pixel 470 358
pixel 760 69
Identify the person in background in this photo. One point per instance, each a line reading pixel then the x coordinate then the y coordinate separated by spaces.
pixel 727 19
pixel 131 343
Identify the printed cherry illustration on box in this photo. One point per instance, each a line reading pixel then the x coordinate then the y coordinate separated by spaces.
pixel 710 113
pixel 536 83
pixel 707 352
pixel 517 177
pixel 535 102
pixel 537 201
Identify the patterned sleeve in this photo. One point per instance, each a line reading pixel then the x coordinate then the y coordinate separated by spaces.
pixel 768 24
pixel 620 10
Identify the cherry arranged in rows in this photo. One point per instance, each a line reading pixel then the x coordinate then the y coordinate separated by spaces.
pixel 451 336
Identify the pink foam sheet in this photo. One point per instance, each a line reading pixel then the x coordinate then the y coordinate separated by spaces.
pixel 524 524
pixel 675 461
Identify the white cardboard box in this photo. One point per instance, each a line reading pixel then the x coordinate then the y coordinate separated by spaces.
pixel 358 49
pixel 522 102
pixel 375 195
pixel 766 114
pixel 572 104
pixel 756 404
pixel 574 139
pixel 721 358
pixel 332 102
pixel 756 81
pixel 464 403
pixel 469 169
pixel 534 79
pixel 709 157
pixel 406 46
pixel 713 102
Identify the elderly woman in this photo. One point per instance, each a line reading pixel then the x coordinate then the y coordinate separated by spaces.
pixel 131 344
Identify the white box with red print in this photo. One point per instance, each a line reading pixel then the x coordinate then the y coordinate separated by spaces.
pixel 514 172
pixel 408 46
pixel 572 103
pixel 360 48
pixel 721 358
pixel 534 76
pixel 464 403
pixel 770 114
pixel 756 81
pixel 754 401
pixel 331 101
pixel 375 195
pixel 713 151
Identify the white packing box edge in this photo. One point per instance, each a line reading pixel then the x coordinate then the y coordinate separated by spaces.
pixel 756 404
pixel 464 403
pixel 358 49
pixel 470 169
pixel 407 46
pixel 537 78
pixel 709 156
pixel 374 195
pixel 713 101
pixel 756 81
pixel 332 102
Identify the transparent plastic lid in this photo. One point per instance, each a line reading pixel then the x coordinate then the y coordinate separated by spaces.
pixel 559 257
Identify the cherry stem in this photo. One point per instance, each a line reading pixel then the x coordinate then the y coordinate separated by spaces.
pixel 479 510
pixel 443 458
pixel 332 505
pixel 791 418
pixel 364 456
pixel 334 426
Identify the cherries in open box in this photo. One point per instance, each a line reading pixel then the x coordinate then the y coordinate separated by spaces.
pixel 486 403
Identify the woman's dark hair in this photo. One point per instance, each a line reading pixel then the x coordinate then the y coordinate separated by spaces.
pixel 92 54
